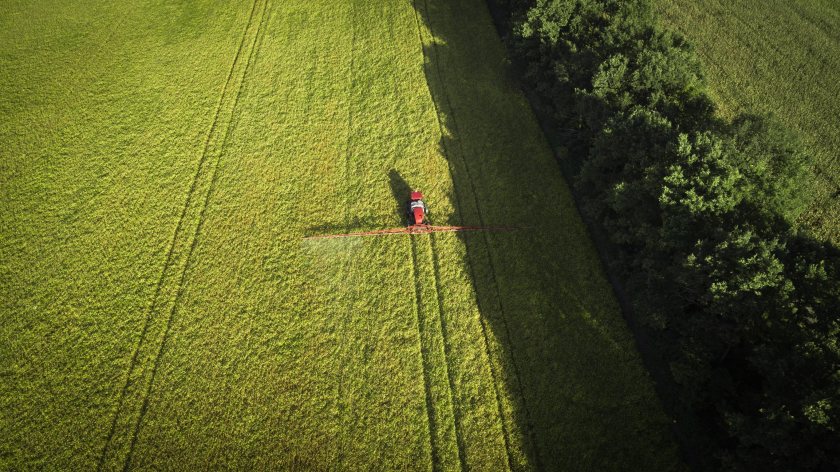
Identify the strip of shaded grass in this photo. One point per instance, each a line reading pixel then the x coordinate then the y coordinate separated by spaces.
pixel 578 396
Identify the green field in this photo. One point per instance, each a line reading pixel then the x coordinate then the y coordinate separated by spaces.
pixel 160 163
pixel 779 57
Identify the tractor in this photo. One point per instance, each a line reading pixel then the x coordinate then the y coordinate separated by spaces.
pixel 417 213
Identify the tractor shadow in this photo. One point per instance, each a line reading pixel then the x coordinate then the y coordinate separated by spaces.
pixel 400 191
pixel 572 392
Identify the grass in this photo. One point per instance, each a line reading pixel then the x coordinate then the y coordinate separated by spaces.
pixel 160 166
pixel 780 58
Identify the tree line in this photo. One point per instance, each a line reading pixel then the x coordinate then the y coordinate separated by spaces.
pixel 699 212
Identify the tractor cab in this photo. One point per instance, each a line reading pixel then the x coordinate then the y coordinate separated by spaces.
pixel 417 211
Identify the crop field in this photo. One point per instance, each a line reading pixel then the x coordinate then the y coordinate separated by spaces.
pixel 160 165
pixel 778 57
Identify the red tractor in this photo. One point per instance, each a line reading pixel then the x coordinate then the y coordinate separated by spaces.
pixel 417 212
pixel 417 216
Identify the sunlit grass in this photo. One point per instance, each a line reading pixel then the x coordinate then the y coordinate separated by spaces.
pixel 162 310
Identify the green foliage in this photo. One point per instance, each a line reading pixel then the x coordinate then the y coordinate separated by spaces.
pixel 699 186
pixel 774 163
pixel 624 164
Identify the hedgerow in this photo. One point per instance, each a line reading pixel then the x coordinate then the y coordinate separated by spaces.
pixel 698 212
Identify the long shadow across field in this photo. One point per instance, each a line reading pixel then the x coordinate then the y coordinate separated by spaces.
pixel 479 258
pixel 571 390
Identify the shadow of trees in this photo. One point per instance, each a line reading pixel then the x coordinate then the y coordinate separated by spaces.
pixel 578 397
pixel 400 190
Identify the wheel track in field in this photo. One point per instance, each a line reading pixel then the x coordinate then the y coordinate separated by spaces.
pixel 255 53
pixel 430 416
pixel 471 271
pixel 342 395
pixel 458 198
pixel 170 259
pixel 350 115
pixel 438 423
pixel 194 242
pixel 345 404
pixel 444 332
